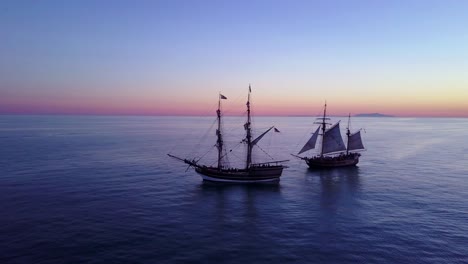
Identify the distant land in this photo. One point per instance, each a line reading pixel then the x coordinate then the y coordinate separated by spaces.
pixel 373 115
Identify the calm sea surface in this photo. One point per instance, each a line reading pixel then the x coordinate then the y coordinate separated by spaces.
pixel 102 190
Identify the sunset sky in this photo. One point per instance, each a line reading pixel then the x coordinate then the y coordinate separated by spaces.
pixel 403 58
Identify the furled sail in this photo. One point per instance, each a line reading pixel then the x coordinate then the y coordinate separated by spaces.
pixel 355 142
pixel 255 141
pixel 332 140
pixel 311 143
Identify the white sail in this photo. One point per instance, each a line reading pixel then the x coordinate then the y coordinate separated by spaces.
pixel 332 140
pixel 311 143
pixel 355 141
pixel 255 141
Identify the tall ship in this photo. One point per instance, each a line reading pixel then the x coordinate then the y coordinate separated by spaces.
pixel 269 171
pixel 332 151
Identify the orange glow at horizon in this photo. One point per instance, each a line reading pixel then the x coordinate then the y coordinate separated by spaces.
pixel 260 109
pixel 431 105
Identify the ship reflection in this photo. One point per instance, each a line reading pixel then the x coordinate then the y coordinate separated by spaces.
pixel 348 176
pixel 242 199
pixel 339 189
pixel 220 186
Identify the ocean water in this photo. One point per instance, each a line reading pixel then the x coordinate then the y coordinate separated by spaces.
pixel 84 189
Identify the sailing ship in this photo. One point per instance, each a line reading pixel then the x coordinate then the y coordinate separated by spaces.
pixel 333 152
pixel 252 172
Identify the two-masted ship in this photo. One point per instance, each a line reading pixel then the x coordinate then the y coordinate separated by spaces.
pixel 252 172
pixel 333 152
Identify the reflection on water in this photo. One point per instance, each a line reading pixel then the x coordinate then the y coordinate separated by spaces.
pixel 339 187
pixel 238 203
pixel 347 177
pixel 222 186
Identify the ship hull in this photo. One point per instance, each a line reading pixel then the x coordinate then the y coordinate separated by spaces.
pixel 333 162
pixel 251 175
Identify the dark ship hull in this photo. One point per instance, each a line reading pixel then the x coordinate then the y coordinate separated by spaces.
pixel 333 162
pixel 254 174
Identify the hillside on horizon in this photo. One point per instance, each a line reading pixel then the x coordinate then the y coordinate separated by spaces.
pixel 372 115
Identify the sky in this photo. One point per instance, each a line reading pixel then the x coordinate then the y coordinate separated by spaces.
pixel 403 58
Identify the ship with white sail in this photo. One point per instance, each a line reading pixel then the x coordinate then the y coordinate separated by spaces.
pixel 269 171
pixel 332 151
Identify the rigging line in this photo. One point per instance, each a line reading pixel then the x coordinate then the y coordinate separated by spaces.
pixel 203 138
pixel 302 139
pixel 234 102
pixel 179 142
pixel 233 153
pixel 236 146
pixel 234 128
pixel 230 151
pixel 305 136
pixel 213 163
pixel 238 159
pixel 265 152
pixel 205 135
pixel 206 153
pixel 268 143
pixel 225 158
pixel 198 119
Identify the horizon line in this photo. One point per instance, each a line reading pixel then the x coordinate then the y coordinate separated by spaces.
pixel 202 115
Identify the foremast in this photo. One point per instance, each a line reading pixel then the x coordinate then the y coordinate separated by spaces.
pixel 248 132
pixel 348 134
pixel 323 125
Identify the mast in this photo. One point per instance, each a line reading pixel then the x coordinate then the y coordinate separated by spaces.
pixel 348 133
pixel 323 127
pixel 219 142
pixel 248 137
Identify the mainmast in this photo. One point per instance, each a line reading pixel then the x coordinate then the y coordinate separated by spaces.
pixel 219 142
pixel 348 133
pixel 248 137
pixel 323 127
